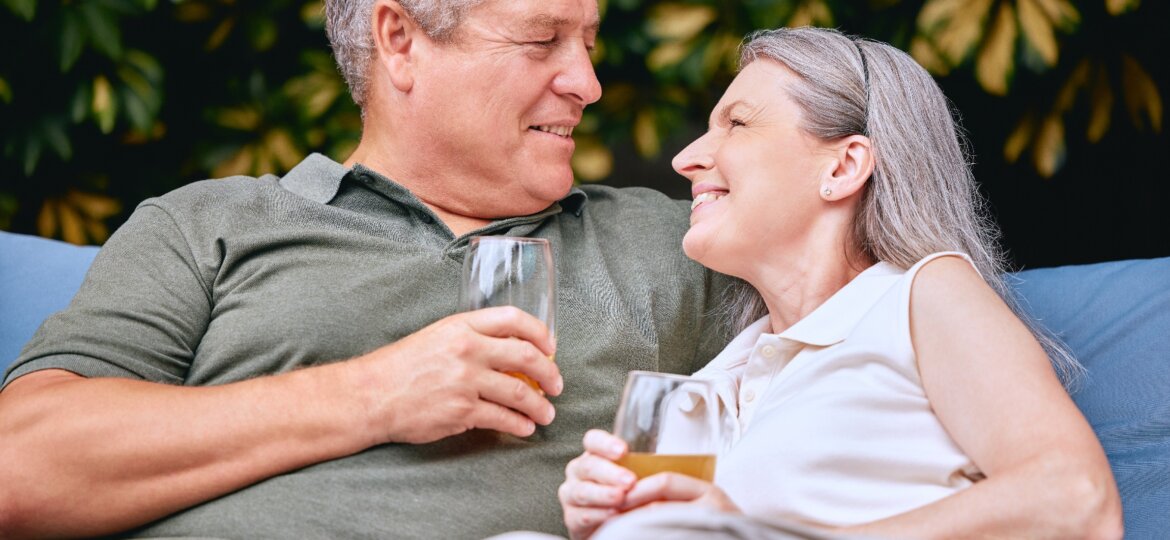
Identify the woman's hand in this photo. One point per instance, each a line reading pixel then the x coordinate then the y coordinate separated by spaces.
pixel 595 487
pixel 674 487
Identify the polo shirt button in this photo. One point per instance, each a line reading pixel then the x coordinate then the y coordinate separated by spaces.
pixel 749 395
pixel 768 351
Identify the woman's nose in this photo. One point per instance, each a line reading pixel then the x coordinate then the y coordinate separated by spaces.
pixel 692 159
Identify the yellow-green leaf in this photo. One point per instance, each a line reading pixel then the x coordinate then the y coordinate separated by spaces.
pixel 1019 138
pixel 995 65
pixel 1062 14
pixel 927 55
pixel 1101 106
pixel 104 107
pixel 1049 153
pixel 47 219
pixel 1117 7
pixel 243 118
pixel 667 54
pixel 811 13
pixel 646 133
pixel 959 35
pixel 5 91
pixel 1038 31
pixel 592 161
pixel 221 32
pixel 1142 99
pixel 676 21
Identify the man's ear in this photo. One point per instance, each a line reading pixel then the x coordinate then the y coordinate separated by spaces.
pixel 850 170
pixel 394 35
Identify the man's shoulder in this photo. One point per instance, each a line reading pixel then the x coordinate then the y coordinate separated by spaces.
pixel 223 193
pixel 633 202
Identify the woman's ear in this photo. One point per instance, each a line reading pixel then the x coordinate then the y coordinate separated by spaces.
pixel 394 36
pixel 850 170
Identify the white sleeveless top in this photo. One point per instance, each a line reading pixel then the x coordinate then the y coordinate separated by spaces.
pixel 833 424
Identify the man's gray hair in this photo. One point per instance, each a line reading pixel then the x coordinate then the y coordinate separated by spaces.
pixel 347 23
pixel 922 197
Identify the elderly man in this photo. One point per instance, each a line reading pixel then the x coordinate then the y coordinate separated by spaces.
pixel 283 357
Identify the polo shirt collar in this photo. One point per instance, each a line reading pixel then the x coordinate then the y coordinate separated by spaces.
pixel 318 179
pixel 835 319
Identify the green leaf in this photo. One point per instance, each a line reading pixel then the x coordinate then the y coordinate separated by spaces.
pixel 72 39
pixel 54 131
pixel 79 106
pixel 103 29
pixel 32 154
pixel 137 111
pixel 24 9
pixel 5 91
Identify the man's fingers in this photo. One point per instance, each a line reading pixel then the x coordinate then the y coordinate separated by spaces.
pixel 512 393
pixel 495 417
pixel 515 355
pixel 509 321
pixel 665 487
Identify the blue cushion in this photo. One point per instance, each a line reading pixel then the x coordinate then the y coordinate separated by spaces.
pixel 1116 318
pixel 37 278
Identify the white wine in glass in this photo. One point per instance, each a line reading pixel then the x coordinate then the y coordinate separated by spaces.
pixel 672 423
pixel 511 271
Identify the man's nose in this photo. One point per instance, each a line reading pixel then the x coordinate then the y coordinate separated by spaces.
pixel 578 79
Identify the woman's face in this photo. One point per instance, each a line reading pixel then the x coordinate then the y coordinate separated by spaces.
pixel 755 175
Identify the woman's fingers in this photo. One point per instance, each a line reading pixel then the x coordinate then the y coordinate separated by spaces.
pixel 663 487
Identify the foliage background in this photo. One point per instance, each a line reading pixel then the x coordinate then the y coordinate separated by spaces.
pixel 106 102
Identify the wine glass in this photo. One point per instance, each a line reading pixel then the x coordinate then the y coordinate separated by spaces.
pixel 671 423
pixel 511 271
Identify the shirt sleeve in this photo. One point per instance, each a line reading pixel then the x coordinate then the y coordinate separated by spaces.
pixel 140 313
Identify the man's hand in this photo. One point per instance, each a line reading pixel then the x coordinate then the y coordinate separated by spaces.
pixel 449 378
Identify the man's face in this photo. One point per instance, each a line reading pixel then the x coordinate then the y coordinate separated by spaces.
pixel 498 104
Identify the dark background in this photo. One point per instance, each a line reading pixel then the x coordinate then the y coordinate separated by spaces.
pixel 248 87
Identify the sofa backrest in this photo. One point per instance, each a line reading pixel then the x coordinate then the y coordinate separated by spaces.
pixel 1116 318
pixel 37 278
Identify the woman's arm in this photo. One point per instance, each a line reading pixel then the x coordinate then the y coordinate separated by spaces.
pixel 994 390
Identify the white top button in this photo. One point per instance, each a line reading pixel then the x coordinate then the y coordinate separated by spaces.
pixel 768 351
pixel 749 395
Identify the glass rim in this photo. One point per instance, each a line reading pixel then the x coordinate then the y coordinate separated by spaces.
pixel 630 375
pixel 516 239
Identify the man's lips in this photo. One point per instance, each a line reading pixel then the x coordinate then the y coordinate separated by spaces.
pixel 565 131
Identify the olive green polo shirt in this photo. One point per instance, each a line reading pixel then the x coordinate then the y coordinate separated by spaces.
pixel 224 280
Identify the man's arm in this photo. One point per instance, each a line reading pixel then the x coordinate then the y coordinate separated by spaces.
pixel 97 456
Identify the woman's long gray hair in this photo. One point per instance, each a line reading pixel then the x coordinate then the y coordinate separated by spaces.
pixel 922 197
pixel 347 23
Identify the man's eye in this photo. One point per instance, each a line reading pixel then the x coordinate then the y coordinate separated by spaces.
pixel 548 43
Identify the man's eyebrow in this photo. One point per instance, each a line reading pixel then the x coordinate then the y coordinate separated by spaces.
pixel 544 20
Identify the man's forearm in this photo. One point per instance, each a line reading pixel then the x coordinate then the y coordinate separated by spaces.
pixel 95 456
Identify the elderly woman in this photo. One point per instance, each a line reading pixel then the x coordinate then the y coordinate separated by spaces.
pixel 885 387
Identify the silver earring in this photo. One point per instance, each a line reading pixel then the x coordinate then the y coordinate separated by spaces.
pixel 827 191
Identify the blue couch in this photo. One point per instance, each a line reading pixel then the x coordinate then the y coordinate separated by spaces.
pixel 1115 316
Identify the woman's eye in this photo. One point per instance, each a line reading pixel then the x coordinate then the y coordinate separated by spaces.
pixel 736 122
